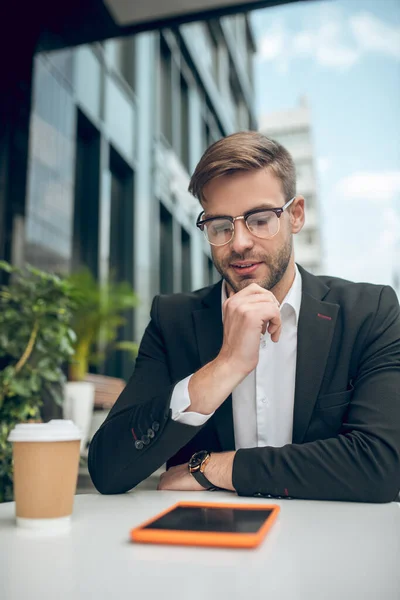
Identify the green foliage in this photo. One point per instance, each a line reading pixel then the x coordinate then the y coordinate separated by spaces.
pixel 97 319
pixel 36 338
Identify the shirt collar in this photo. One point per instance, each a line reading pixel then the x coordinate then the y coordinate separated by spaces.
pixel 292 298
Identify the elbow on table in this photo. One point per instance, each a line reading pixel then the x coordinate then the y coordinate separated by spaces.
pixel 383 489
pixel 387 492
pixel 105 475
pixel 107 483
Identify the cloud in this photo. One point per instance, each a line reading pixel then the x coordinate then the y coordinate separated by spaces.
pixel 326 46
pixel 372 34
pixel 376 187
pixel 273 44
pixel 333 42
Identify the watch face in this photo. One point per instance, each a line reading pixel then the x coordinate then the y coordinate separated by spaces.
pixel 197 459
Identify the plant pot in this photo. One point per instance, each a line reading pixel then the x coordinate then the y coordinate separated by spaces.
pixel 78 406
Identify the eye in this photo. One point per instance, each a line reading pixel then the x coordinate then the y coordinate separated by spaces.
pixel 219 227
pixel 260 220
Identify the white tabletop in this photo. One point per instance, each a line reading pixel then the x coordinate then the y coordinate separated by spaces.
pixel 315 550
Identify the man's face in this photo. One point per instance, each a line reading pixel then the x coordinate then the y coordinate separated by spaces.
pixel 234 195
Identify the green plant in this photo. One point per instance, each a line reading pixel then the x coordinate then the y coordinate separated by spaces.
pixel 36 339
pixel 98 317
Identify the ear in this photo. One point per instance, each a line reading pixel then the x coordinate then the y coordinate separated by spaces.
pixel 297 216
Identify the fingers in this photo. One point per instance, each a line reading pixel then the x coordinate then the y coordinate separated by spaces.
pixel 254 293
pixel 265 315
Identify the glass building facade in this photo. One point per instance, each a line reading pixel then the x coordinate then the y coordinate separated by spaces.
pixel 116 129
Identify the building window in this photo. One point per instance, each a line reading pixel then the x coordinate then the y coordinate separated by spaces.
pixel 211 130
pixel 209 135
pixel 184 149
pixel 212 44
pixel 120 55
pixel 50 182
pixel 234 95
pixel 128 55
pixel 249 59
pixel 165 97
pixel 121 219
pixel 121 260
pixel 166 251
pixel 86 206
pixel 186 282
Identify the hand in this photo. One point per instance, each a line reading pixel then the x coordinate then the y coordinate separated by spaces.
pixel 179 478
pixel 247 314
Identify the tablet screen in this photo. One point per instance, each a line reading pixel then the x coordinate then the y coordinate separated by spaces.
pixel 212 519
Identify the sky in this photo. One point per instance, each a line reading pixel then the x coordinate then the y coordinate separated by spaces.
pixel 344 57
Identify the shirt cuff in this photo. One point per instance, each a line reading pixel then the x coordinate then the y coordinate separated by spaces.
pixel 180 401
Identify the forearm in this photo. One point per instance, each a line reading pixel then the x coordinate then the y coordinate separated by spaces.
pixel 212 384
pixel 118 457
pixel 355 467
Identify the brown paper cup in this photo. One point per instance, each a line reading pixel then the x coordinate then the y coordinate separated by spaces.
pixel 46 462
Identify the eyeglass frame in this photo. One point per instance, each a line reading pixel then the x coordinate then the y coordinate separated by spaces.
pixel 278 211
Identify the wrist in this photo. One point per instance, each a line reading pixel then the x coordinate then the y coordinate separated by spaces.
pixel 230 370
pixel 219 470
pixel 211 385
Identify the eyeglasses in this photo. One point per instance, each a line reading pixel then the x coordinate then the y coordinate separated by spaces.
pixel 262 222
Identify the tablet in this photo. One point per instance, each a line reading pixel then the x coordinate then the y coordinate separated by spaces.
pixel 208 524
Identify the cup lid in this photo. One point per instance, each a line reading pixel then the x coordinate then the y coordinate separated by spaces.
pixel 57 430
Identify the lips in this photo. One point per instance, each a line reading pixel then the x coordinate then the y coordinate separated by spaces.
pixel 245 268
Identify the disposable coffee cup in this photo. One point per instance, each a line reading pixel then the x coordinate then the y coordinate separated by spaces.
pixel 46 462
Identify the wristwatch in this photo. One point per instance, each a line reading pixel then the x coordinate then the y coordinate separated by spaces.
pixel 196 467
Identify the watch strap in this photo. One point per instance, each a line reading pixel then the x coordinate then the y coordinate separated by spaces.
pixel 203 481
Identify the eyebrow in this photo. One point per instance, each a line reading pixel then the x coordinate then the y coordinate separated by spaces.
pixel 263 206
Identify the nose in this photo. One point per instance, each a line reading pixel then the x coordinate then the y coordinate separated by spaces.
pixel 242 239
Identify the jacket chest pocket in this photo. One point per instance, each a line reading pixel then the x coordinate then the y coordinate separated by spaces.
pixel 333 401
pixel 329 413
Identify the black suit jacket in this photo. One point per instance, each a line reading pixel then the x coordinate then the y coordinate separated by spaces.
pixel 346 422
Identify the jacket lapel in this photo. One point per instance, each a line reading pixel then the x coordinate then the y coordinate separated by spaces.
pixel 317 321
pixel 209 334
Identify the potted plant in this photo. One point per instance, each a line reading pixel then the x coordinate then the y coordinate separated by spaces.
pixel 36 340
pixel 97 319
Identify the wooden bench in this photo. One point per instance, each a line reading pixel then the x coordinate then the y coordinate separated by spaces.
pixel 107 390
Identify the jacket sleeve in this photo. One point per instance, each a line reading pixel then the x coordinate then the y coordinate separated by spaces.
pixel 139 435
pixel 362 463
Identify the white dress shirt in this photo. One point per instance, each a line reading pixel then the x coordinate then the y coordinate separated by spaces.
pixel 262 404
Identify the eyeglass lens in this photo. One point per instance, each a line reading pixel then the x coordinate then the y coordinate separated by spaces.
pixel 219 231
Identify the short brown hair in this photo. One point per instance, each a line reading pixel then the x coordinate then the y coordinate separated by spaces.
pixel 244 151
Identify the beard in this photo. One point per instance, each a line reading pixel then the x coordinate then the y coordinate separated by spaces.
pixel 277 265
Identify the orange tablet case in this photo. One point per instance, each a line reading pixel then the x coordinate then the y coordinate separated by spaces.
pixel 205 538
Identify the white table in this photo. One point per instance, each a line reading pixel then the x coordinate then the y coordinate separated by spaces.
pixel 315 551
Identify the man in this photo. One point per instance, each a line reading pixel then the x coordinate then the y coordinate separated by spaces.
pixel 273 381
